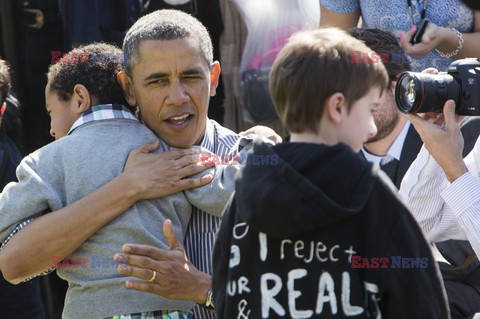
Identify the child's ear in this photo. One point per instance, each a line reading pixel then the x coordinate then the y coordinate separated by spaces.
pixel 336 107
pixel 81 98
pixel 126 84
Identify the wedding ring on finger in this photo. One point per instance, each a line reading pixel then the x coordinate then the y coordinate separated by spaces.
pixel 153 276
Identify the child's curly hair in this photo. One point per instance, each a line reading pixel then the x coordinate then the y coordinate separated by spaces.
pixel 95 66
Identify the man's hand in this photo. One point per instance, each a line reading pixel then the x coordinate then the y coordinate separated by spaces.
pixel 158 175
pixel 444 141
pixel 175 277
pixel 263 131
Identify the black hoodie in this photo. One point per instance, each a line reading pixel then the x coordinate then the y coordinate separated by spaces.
pixel 300 232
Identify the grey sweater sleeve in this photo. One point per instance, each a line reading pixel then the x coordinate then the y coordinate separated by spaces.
pixel 213 197
pixel 27 198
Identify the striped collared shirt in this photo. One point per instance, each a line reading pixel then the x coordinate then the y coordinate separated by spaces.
pixel 444 210
pixel 103 112
pixel 202 228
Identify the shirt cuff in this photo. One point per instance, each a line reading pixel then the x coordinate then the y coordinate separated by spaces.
pixel 462 193
pixel 13 233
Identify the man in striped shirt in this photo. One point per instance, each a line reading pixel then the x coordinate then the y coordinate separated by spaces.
pixel 170 74
pixel 440 187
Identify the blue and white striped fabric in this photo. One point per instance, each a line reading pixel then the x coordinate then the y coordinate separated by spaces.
pixel 202 229
pixel 444 210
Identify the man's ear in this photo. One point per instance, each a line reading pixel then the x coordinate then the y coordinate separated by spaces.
pixel 214 77
pixel 335 107
pixel 126 84
pixel 392 87
pixel 82 99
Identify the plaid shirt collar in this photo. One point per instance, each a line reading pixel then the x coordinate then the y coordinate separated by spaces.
pixel 103 112
pixel 117 111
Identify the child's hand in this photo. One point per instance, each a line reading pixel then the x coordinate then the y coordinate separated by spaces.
pixel 263 131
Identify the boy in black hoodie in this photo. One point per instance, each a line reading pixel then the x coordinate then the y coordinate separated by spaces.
pixel 318 232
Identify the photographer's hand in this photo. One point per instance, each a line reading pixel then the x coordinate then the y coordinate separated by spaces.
pixel 444 141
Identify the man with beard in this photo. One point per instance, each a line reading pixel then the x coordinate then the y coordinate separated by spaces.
pixel 395 147
pixel 397 143
pixel 393 130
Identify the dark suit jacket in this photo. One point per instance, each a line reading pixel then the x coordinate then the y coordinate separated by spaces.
pixel 411 147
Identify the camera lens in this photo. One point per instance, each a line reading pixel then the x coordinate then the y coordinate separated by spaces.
pixel 407 93
pixel 423 92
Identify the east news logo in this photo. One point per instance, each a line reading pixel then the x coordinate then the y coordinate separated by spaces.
pixel 392 262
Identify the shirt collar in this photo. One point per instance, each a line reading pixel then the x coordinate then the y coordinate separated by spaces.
pixel 208 140
pixel 394 152
pixel 103 112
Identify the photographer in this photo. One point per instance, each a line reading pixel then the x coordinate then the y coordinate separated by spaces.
pixel 395 147
pixel 441 188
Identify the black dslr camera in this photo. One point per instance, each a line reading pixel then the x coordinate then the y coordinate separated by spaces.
pixel 423 92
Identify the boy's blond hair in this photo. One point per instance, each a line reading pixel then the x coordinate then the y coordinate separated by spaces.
pixel 313 66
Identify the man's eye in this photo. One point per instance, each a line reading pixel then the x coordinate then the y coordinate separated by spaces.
pixel 192 77
pixel 159 81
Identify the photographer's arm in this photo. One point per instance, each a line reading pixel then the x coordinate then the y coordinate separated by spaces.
pixel 59 233
pixel 461 197
pixel 420 189
pixel 438 189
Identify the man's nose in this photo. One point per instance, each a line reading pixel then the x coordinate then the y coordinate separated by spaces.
pixel 177 94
